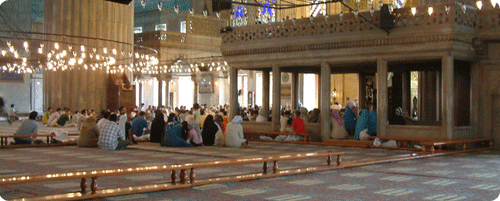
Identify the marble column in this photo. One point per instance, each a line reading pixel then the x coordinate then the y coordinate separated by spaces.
pixel 325 89
pixel 295 90
pixel 382 97
pixel 167 92
pixel 265 91
pixel 140 94
pixel 160 91
pixel 195 89
pixel 447 77
pixel 233 93
pixel 276 97
pixel 362 92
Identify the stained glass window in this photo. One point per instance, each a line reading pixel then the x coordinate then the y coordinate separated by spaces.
pixel 399 3
pixel 239 16
pixel 266 13
pixel 317 9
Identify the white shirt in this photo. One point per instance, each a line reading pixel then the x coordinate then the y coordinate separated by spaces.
pixel 122 122
pixel 283 122
pixel 12 111
pixel 101 123
pixel 52 117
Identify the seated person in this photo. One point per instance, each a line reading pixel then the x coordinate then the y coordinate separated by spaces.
pixel 89 134
pixel 303 114
pixel 46 116
pixel 64 120
pixel 80 118
pixel 111 137
pixel 349 121
pixel 234 133
pixel 12 113
pixel 298 128
pixel 194 136
pixel 262 116
pixel 139 124
pixel 338 128
pixel 366 125
pixel 54 117
pixel 173 137
pixel 28 127
pixel 210 129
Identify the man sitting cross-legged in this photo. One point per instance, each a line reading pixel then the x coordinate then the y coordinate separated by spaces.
pixel 111 137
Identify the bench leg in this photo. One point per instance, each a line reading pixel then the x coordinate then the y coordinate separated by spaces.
pixel 93 186
pixel 328 159
pixel 339 160
pixel 192 176
pixel 183 176
pixel 83 185
pixel 264 167
pixel 173 177
pixel 275 167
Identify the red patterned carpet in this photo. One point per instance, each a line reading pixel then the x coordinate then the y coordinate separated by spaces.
pixel 470 176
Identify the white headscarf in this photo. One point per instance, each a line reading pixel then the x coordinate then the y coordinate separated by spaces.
pixel 237 119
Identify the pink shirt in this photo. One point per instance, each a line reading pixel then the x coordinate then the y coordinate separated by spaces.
pixel 194 136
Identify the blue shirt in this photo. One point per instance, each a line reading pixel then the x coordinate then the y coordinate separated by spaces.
pixel 138 125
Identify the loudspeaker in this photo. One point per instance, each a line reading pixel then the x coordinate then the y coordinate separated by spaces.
pixel 386 18
pixel 126 2
pixel 218 5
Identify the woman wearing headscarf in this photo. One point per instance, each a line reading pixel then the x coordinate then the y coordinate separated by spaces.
pixel 157 127
pixel 349 120
pixel 209 131
pixel 303 114
pixel 173 135
pixel 220 136
pixel 262 117
pixel 234 133
pixel 89 134
pixel 338 129
pixel 194 136
pixel 366 125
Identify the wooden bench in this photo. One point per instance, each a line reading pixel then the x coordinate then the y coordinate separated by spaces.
pixel 49 142
pixel 174 184
pixel 487 143
pixel 405 142
pixel 306 136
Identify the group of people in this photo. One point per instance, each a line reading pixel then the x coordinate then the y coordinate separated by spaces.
pixel 363 124
pixel 65 118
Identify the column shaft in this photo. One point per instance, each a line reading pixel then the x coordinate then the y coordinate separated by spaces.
pixel 276 97
pixel 382 97
pixel 233 93
pixel 325 100
pixel 295 90
pixel 265 91
pixel 160 91
pixel 448 96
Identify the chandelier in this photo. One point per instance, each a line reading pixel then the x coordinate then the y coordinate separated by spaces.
pixel 30 52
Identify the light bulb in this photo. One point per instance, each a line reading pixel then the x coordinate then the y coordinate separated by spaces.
pixel 105 50
pixel 143 3
pixel 160 5
pixel 25 45
pixel 82 48
pixel 413 10
pixel 479 4
pixel 430 10
pixel 56 45
pixel 113 51
pixel 40 50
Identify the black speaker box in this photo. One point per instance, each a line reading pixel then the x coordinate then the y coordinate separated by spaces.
pixel 126 2
pixel 218 5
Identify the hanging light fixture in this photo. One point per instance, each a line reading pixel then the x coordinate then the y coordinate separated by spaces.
pixel 143 3
pixel 479 4
pixel 430 10
pixel 160 5
pixel 191 10
pixel 413 10
pixel 447 9
pixel 176 8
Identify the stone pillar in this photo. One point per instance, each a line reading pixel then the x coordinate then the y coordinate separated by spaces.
pixel 233 93
pixel 195 89
pixel 265 91
pixel 325 89
pixel 382 97
pixel 167 92
pixel 160 91
pixel 447 77
pixel 276 97
pixel 295 90
pixel 362 92
pixel 140 94
pixel 406 91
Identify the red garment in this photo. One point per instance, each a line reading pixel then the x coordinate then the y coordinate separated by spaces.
pixel 298 126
